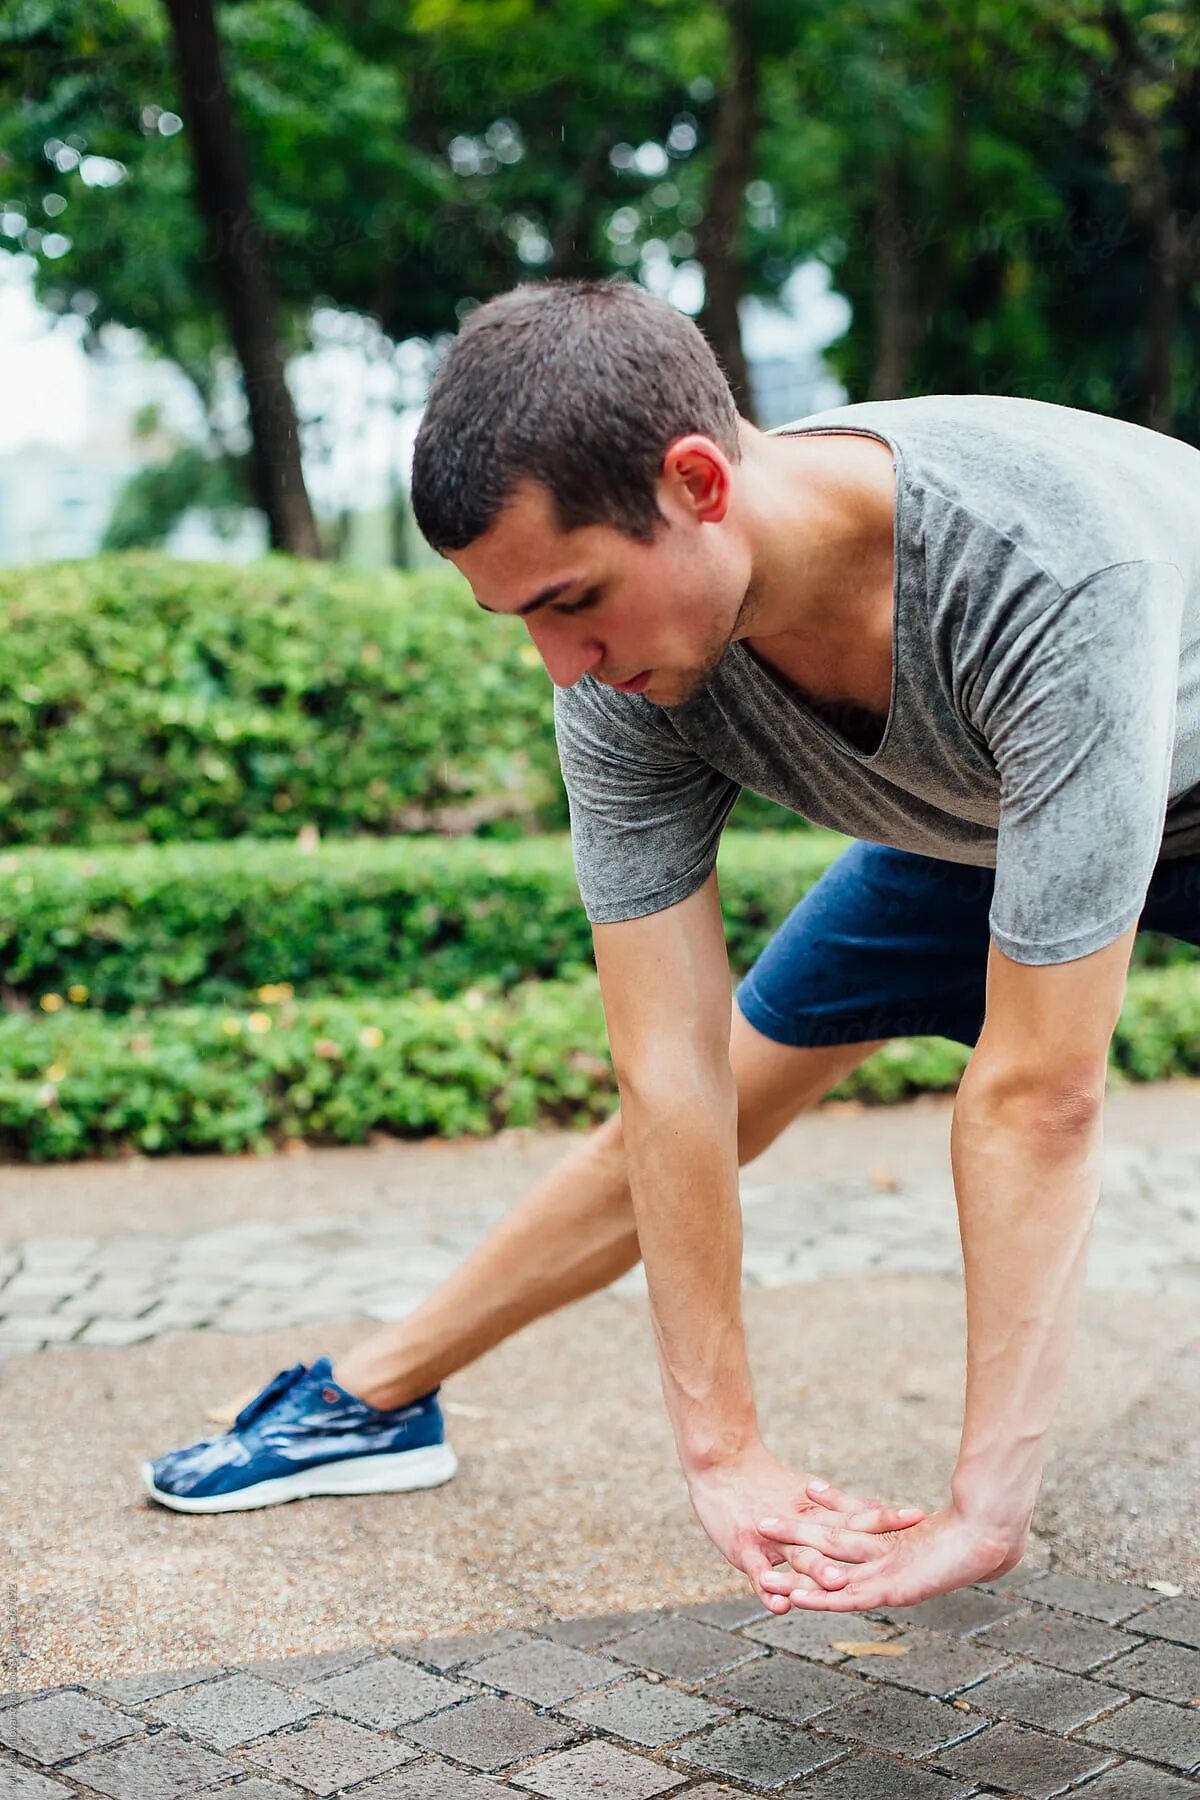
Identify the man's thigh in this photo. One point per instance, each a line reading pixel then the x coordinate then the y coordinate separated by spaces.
pixel 887 944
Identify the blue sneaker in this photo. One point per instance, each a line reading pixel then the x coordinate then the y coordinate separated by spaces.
pixel 305 1435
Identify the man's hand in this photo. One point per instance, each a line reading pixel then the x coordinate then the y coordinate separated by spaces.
pixel 946 1550
pixel 731 1498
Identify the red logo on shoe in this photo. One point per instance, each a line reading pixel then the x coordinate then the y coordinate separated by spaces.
pixel 330 1395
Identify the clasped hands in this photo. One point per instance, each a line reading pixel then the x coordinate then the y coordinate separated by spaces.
pixel 809 1546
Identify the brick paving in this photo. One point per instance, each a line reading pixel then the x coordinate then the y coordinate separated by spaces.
pixel 703 1702
pixel 256 1275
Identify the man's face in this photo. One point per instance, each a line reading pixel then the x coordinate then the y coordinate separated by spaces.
pixel 621 607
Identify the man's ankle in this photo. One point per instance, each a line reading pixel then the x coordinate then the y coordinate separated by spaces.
pixel 374 1391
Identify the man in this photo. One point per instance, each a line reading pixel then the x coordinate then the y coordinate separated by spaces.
pixel 966 630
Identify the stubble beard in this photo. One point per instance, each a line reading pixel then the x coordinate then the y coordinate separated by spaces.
pixel 692 680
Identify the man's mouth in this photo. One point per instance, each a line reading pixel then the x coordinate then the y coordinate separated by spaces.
pixel 635 685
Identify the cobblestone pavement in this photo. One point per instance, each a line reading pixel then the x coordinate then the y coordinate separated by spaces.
pixel 256 1275
pixel 1033 1686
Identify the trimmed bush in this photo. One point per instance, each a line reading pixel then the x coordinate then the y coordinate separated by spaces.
pixel 146 699
pixel 80 1084
pixel 154 925
pixel 205 923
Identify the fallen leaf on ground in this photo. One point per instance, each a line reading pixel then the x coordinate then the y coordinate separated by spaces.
pixel 1169 1588
pixel 869 1649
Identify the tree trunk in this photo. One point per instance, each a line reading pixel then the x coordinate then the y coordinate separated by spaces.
pixel 718 237
pixel 573 258
pixel 1162 310
pixel 223 194
pixel 895 284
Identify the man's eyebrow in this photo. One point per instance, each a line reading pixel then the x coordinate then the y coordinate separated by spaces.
pixel 531 606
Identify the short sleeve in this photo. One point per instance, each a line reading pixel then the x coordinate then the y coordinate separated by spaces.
pixel 1078 712
pixel 647 811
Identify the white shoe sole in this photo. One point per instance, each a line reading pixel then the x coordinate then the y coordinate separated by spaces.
pixel 401 1473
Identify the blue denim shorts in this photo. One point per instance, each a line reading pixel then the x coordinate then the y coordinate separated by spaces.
pixel 889 944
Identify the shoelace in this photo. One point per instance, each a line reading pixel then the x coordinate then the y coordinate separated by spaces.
pixel 285 1379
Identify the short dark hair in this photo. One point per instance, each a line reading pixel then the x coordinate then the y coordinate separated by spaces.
pixel 578 385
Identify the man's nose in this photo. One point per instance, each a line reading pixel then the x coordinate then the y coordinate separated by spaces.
pixel 567 652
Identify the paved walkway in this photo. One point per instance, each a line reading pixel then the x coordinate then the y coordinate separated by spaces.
pixel 1033 1687
pixel 255 1275
pixel 134 1295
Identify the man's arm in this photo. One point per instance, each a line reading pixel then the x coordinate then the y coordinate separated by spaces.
pixel 1026 1151
pixel 665 985
pixel 667 999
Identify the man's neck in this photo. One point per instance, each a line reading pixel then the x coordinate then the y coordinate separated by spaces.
pixel 819 513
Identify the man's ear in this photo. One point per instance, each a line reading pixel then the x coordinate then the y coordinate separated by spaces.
pixel 698 476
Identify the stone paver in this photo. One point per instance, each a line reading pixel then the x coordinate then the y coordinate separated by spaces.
pixel 1153 1729
pixel 893 1720
pixel 813 1636
pixel 436 1780
pixel 255 1276
pixel 645 1712
pixel 486 1733
pixel 327 1754
pixel 165 1767
pixel 939 1664
pixel 61 1725
pixel 1015 1760
pixel 684 1648
pixel 1047 1698
pixel 598 1772
pixel 1176 1620
pixel 702 1701
pixel 225 1713
pixel 1165 1671
pixel 1111 1602
pixel 1138 1781
pixel 17 1783
pixel 1077 1645
pixel 386 1693
pixel 761 1752
pixel 783 1688
pixel 545 1673
pixel 871 1777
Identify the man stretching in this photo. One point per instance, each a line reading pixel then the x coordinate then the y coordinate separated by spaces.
pixel 963 629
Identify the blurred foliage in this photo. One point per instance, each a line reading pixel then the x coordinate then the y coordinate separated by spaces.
pixel 142 698
pixel 156 925
pixel 80 1084
pixel 155 498
pixel 164 924
pixel 1006 190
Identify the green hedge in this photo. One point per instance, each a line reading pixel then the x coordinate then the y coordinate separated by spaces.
pixel 80 1084
pixel 205 923
pixel 153 925
pixel 146 699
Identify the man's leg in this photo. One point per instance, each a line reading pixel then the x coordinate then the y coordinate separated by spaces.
pixel 574 1232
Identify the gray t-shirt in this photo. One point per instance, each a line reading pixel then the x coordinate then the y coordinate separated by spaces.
pixel 1045 710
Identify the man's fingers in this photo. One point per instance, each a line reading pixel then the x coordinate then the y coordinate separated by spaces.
pixel 829 1540
pixel 758 1565
pixel 804 1561
pixel 857 1597
pixel 886 1518
pixel 864 1515
pixel 836 1499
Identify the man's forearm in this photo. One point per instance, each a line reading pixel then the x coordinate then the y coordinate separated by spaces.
pixel 1027 1181
pixel 682 1157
